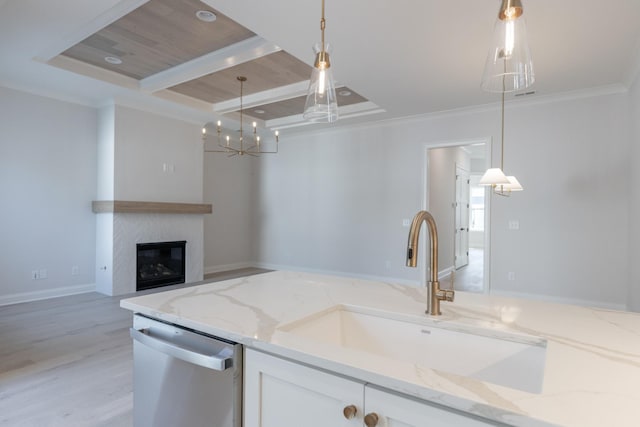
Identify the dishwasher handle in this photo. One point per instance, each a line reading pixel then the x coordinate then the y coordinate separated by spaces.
pixel 215 362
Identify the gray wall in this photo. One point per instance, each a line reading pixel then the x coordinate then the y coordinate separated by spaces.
pixel 334 201
pixel 229 237
pixel 48 179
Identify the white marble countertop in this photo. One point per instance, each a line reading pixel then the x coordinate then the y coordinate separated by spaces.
pixel 592 371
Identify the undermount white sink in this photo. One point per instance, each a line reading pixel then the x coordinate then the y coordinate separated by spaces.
pixel 511 360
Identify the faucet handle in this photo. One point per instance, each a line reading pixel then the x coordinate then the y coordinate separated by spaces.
pixel 448 295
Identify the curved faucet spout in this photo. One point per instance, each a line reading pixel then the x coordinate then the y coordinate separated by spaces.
pixel 435 293
pixel 414 236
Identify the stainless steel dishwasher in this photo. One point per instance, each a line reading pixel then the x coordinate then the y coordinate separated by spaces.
pixel 184 378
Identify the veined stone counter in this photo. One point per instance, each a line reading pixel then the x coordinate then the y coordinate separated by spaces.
pixel 592 371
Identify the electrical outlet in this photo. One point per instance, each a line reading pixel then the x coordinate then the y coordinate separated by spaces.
pixel 514 224
pixel 406 222
pixel 511 276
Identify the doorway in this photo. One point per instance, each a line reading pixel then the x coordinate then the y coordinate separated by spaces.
pixel 459 206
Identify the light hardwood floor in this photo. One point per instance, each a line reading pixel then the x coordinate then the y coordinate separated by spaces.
pixel 68 361
pixel 470 278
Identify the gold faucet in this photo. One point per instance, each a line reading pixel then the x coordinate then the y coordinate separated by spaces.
pixel 435 294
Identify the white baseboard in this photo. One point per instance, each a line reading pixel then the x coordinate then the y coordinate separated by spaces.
pixel 383 279
pixel 227 267
pixel 46 294
pixel 560 300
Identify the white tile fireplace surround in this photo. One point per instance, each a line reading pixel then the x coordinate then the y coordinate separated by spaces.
pixel 118 234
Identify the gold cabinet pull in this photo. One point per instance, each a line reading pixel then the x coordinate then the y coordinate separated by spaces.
pixel 371 419
pixel 350 411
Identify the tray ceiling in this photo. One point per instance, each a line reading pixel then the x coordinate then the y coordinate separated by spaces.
pixel 158 35
pixel 166 50
pixel 269 72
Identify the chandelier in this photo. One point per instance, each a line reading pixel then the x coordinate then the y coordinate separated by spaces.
pixel 250 145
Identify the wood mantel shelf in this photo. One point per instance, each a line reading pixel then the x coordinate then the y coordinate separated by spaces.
pixel 125 206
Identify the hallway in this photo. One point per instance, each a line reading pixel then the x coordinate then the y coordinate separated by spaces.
pixel 470 277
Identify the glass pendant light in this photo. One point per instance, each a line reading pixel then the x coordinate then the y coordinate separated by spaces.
pixel 509 67
pixel 321 104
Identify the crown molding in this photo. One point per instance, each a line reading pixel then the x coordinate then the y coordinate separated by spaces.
pixel 476 109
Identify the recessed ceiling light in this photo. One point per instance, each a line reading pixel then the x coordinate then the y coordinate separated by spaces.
pixel 206 15
pixel 258 111
pixel 344 93
pixel 113 60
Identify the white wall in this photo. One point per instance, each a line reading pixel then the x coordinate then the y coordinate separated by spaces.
pixel 334 201
pixel 48 179
pixel 145 142
pixel 634 195
pixel 229 236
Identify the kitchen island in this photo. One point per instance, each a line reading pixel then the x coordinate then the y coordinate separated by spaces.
pixel 590 377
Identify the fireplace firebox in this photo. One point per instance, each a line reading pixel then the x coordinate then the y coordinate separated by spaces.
pixel 160 264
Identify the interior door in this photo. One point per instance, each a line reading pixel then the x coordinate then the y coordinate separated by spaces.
pixel 462 218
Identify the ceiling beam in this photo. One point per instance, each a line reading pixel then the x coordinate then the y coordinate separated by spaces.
pixel 227 57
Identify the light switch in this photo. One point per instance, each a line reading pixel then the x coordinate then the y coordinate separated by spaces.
pixel 514 224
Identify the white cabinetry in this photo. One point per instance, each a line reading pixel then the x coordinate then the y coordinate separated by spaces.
pixel 394 410
pixel 281 393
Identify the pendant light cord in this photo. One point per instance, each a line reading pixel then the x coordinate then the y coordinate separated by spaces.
pixel 241 113
pixel 504 75
pixel 502 137
pixel 322 26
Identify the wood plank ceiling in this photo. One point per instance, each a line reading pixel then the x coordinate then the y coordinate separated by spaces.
pixel 163 34
pixel 158 35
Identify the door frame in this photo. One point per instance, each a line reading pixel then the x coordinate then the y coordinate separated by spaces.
pixel 488 151
pixel 457 235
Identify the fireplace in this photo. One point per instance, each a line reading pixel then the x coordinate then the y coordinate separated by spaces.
pixel 160 264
